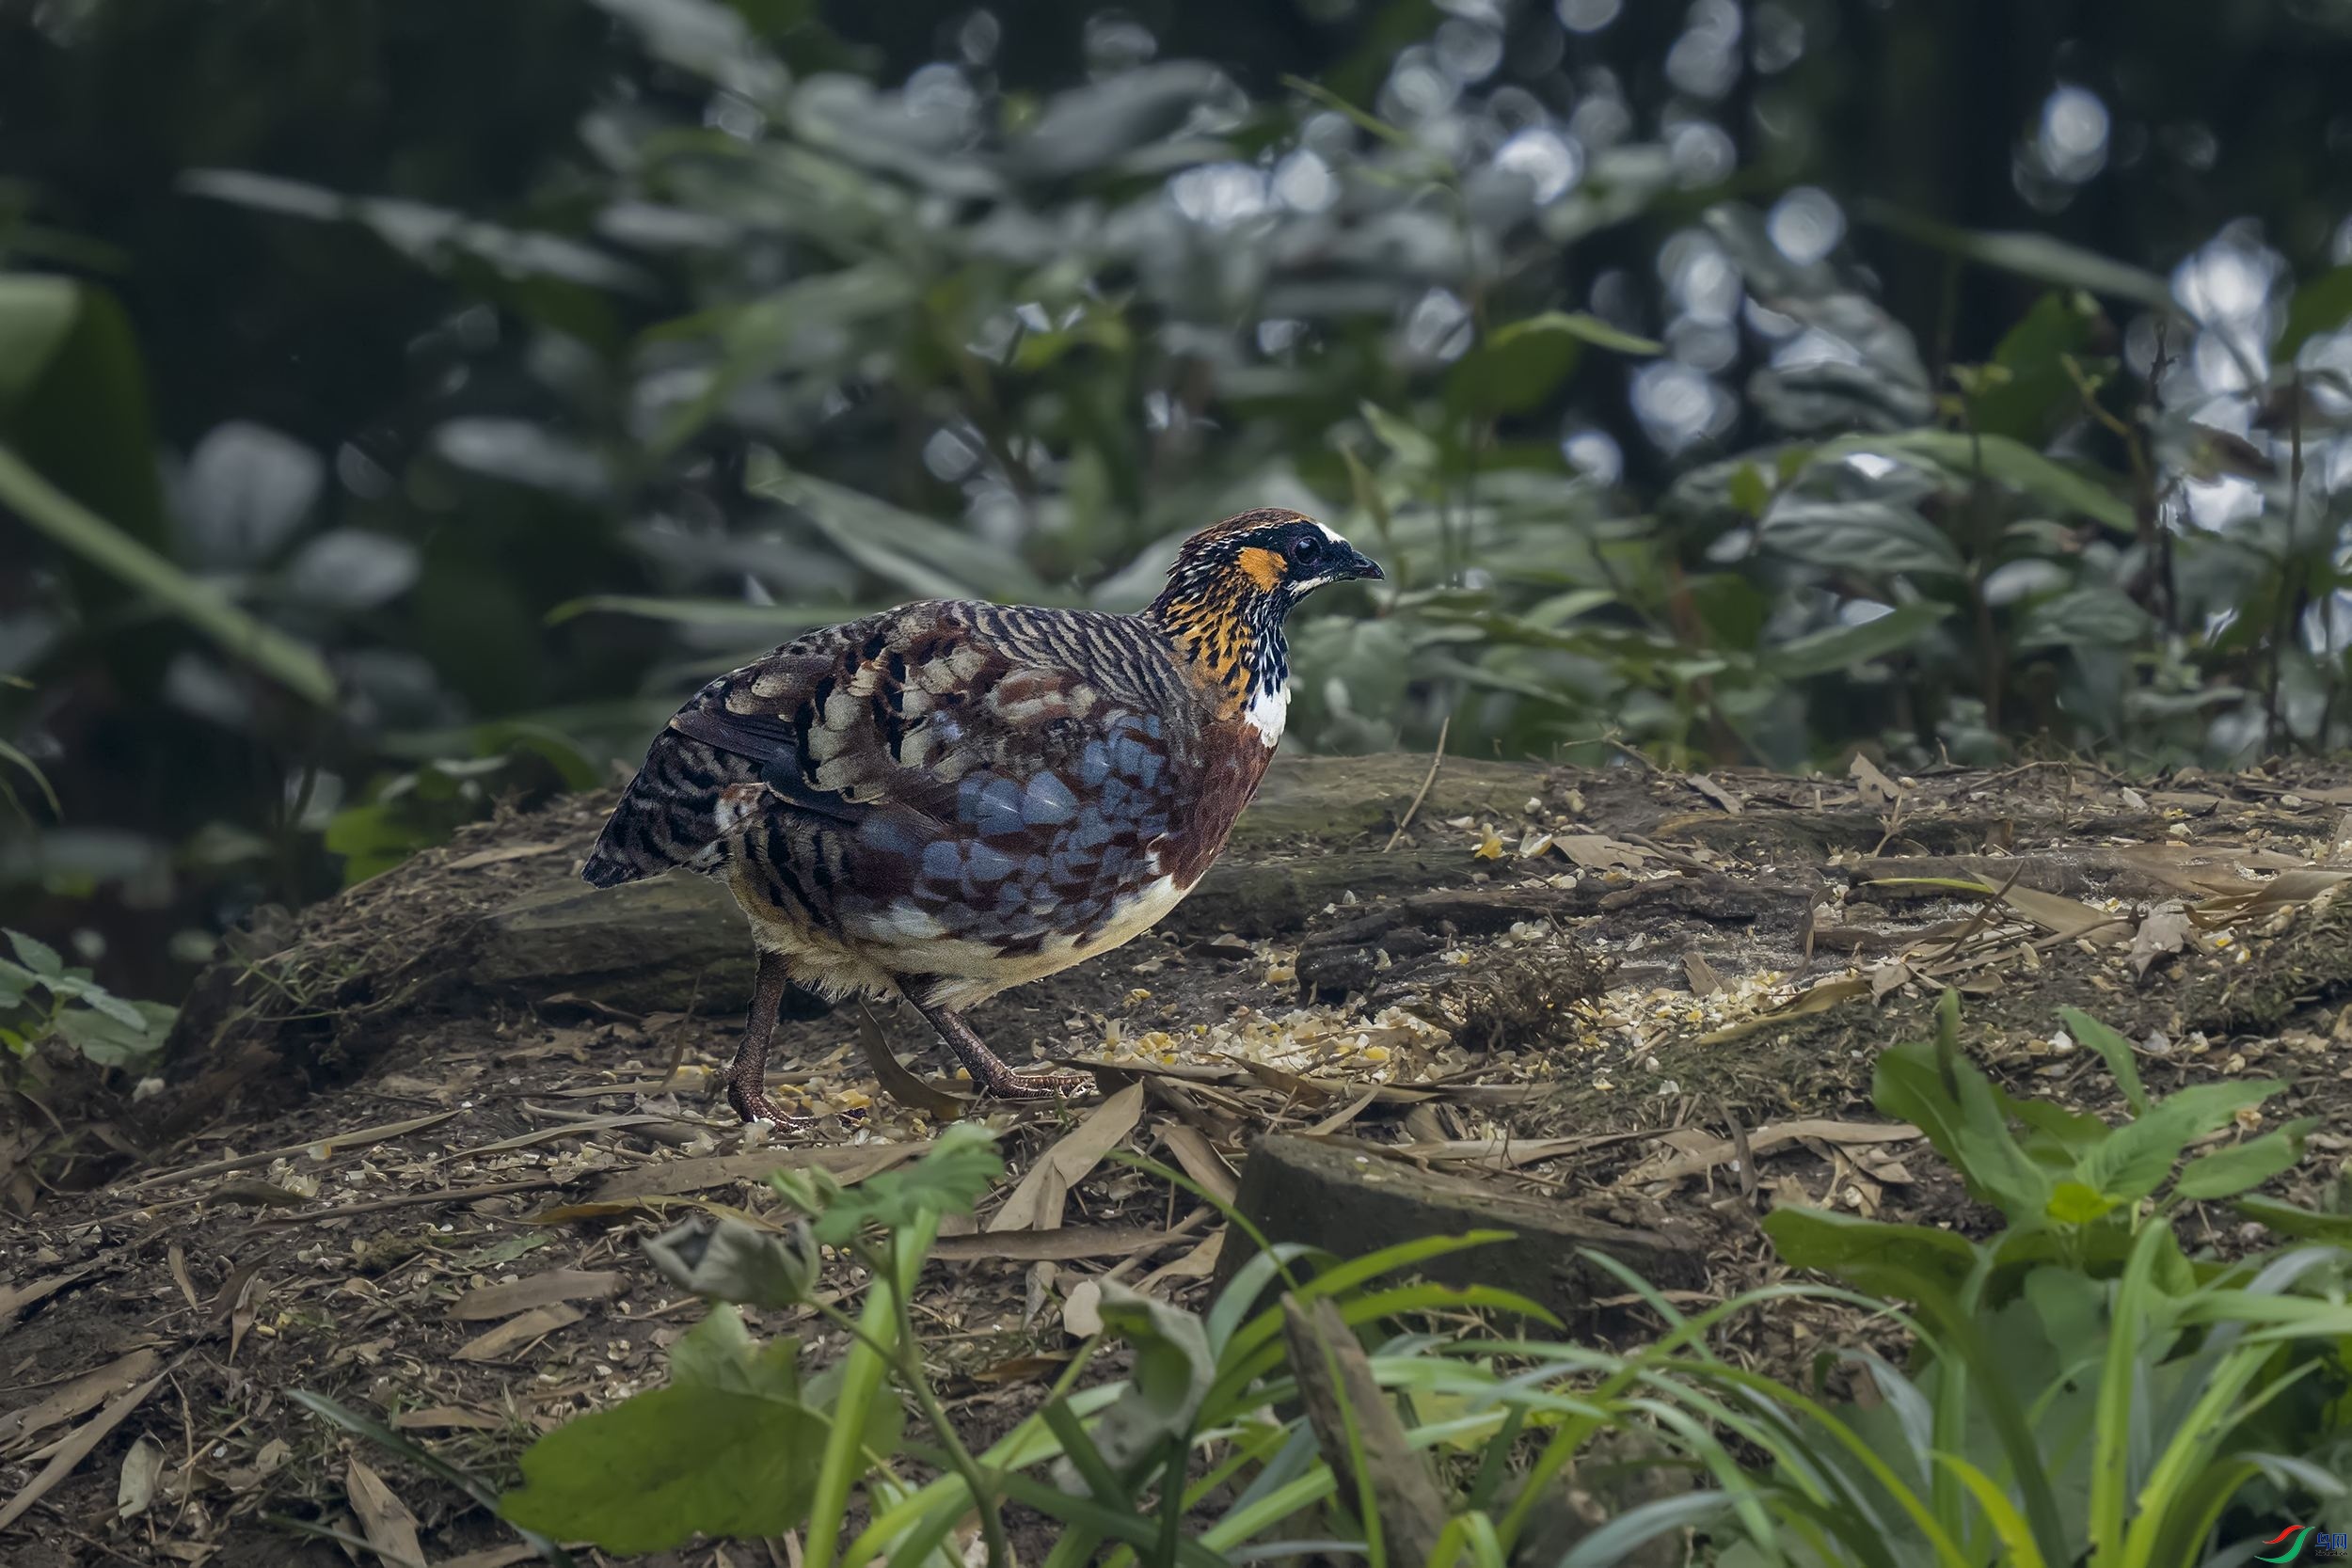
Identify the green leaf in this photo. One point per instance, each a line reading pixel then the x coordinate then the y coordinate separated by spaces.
pixel 37 314
pixel 1873 536
pixel 1909 1262
pixel 2031 391
pixel 2006 461
pixel 37 956
pixel 109 1041
pixel 1749 490
pixel 2227 1172
pixel 2133 1162
pixel 2084 617
pixel 1411 445
pixel 727 1449
pixel 2303 1224
pixel 1175 1369
pixel 2321 304
pixel 2114 1049
pixel 65 521
pixel 1843 647
pixel 2077 1203
pixel 1519 365
pixel 949 1179
pixel 916 553
pixel 2036 256
pixel 733 1262
pixel 779 619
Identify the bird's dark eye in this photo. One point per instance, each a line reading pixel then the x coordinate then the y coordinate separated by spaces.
pixel 1306 548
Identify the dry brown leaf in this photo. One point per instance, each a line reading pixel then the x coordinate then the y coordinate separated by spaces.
pixel 495 857
pixel 384 1519
pixel 1600 852
pixel 16 1299
pixel 1696 1160
pixel 343 1142
pixel 83 1393
pixel 1716 793
pixel 134 1488
pixel 1200 1160
pixel 76 1446
pixel 848 1164
pixel 446 1417
pixel 517 1332
pixel 1082 1310
pixel 2167 929
pixel 1817 999
pixel 891 1077
pixel 1037 1203
pixel 1345 1114
pixel 540 1290
pixel 1060 1244
pixel 1876 786
pixel 1701 975
pixel 1887 979
pixel 1199 1263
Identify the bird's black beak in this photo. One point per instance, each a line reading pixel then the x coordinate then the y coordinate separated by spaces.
pixel 1360 565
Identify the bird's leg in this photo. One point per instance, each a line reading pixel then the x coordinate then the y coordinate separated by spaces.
pixel 991 1071
pixel 747 1075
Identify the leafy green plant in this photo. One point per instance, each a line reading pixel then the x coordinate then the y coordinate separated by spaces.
pixel 43 998
pixel 2080 1391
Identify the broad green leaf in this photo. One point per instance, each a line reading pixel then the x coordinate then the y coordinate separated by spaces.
pixel 1175 1369
pixel 2133 1162
pixel 1519 367
pixel 35 315
pixel 733 1262
pixel 35 955
pixel 779 619
pixel 2036 256
pixel 916 553
pixel 2026 392
pixel 726 1448
pixel 1750 491
pixel 2307 1225
pixel 952 1175
pixel 2078 1203
pixel 2084 617
pixel 1842 647
pixel 1411 445
pixel 1874 536
pixel 94 539
pixel 1908 1261
pixel 2114 1049
pixel 2005 461
pixel 2321 304
pixel 110 1042
pixel 2228 1172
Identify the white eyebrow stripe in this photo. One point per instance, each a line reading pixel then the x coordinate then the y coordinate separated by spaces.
pixel 1328 531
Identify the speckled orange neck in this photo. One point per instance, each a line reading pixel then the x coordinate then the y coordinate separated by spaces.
pixel 1228 632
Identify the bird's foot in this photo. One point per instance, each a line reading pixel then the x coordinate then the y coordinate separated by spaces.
pixel 1004 1083
pixel 749 1099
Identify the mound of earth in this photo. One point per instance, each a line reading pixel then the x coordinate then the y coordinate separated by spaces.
pixel 404 1144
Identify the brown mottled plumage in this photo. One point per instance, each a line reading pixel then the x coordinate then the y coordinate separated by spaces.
pixel 951 798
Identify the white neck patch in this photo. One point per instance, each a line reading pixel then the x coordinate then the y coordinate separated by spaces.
pixel 1269 706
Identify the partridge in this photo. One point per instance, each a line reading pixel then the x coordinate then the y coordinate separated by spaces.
pixel 954 797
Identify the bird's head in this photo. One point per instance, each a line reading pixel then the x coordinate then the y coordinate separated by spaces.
pixel 1231 588
pixel 1260 563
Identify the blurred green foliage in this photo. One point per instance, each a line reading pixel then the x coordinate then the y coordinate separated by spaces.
pixel 1737 381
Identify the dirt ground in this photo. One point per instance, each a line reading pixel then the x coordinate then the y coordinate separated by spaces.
pixel 407 1143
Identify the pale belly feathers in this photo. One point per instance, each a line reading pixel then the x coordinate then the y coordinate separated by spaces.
pixel 907 948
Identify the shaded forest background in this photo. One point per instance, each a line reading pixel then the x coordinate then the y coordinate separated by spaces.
pixel 404 402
